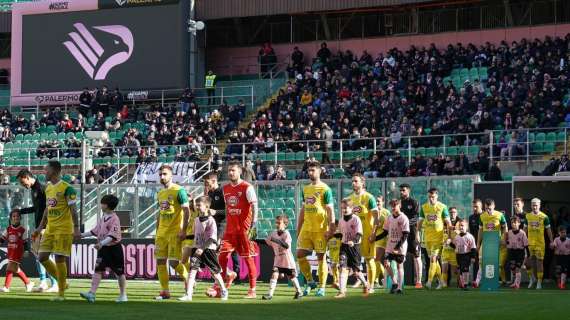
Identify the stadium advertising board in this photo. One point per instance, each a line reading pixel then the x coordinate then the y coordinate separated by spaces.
pixel 133 47
pixel 139 260
pixel 113 4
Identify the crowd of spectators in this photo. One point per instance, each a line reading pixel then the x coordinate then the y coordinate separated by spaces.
pixel 402 93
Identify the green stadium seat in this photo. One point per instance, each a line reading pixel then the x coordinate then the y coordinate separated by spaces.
pixel 540 137
pixel 452 151
pixel 551 137
pixel 561 136
pixel 537 147
pixel 549 147
pixel 431 152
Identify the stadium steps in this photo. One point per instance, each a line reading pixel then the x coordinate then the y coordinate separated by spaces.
pixel 244 123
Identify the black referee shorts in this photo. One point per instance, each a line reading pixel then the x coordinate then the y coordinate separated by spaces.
pixel 349 257
pixel 111 257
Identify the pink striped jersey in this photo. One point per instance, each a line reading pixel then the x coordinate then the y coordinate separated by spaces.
pixel 561 248
pixel 108 225
pixel 203 231
pixel 517 240
pixel 349 229
pixel 464 244
pixel 283 257
pixel 396 226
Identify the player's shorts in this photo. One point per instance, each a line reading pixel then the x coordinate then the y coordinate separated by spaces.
pixel 239 242
pixel 537 251
pixel 15 255
pixel 349 257
pixel 292 273
pixel 334 256
pixel 563 263
pixel 310 241
pixel 413 246
pixel 382 243
pixel 433 248
pixel 111 257
pixel 208 259
pixel 449 256
pixel 367 248
pixel 168 247
pixel 58 244
pixel 516 257
pixel 464 261
pixel 399 258
pixel 188 242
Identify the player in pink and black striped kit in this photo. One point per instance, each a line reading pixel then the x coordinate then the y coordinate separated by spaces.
pixel 397 228
pixel 517 245
pixel 283 263
pixel 465 252
pixel 109 249
pixel 561 246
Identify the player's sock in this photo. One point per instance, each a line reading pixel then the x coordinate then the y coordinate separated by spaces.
pixel 444 278
pixel 335 274
pixel 322 272
pixel 217 278
pixel 343 280
pixel 162 276
pixel 518 278
pixel 296 284
pixel 431 272
pixel 478 278
pixel 61 277
pixel 251 272
pixel 182 272
pixel 95 280
pixel 438 270
pixel 418 269
pixel 400 276
pixel 272 285
pixel 122 279
pixel 371 271
pixel 530 273
pixel 563 278
pixel 8 280
pixel 305 268
pixel 223 259
pixel 41 271
pixel 379 271
pixel 191 281
pixel 502 274
pixel 51 268
pixel 360 276
pixel 23 276
pixel 539 276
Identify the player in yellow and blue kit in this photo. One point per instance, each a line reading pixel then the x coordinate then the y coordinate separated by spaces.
pixel 61 224
pixel 171 226
pixel 383 214
pixel 316 224
pixel 536 223
pixel 434 218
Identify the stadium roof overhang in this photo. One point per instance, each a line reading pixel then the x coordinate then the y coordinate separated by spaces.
pixel 222 9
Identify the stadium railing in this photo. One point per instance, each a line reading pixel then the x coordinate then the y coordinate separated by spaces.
pixel 537 143
pixel 275 198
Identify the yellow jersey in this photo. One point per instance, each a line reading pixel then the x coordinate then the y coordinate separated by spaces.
pixel 190 227
pixel 170 202
pixel 59 199
pixel 382 217
pixel 536 224
pixel 433 217
pixel 363 205
pixel 491 222
pixel 333 247
pixel 315 199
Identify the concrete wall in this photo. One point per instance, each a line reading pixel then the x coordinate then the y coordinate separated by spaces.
pixel 244 58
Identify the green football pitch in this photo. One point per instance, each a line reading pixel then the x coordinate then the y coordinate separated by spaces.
pixel 414 304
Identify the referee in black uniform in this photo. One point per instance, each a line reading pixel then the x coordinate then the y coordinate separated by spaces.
pixel 411 208
pixel 28 181
pixel 218 209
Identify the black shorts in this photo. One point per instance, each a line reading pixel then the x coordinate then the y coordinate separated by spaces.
pixel 208 259
pixel 111 257
pixel 464 261
pixel 563 263
pixel 349 257
pixel 516 257
pixel 413 246
pixel 292 273
pixel 399 258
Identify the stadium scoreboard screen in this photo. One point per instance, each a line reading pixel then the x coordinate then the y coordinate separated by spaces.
pixel 60 47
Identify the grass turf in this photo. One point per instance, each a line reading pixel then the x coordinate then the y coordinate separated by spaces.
pixel 414 304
